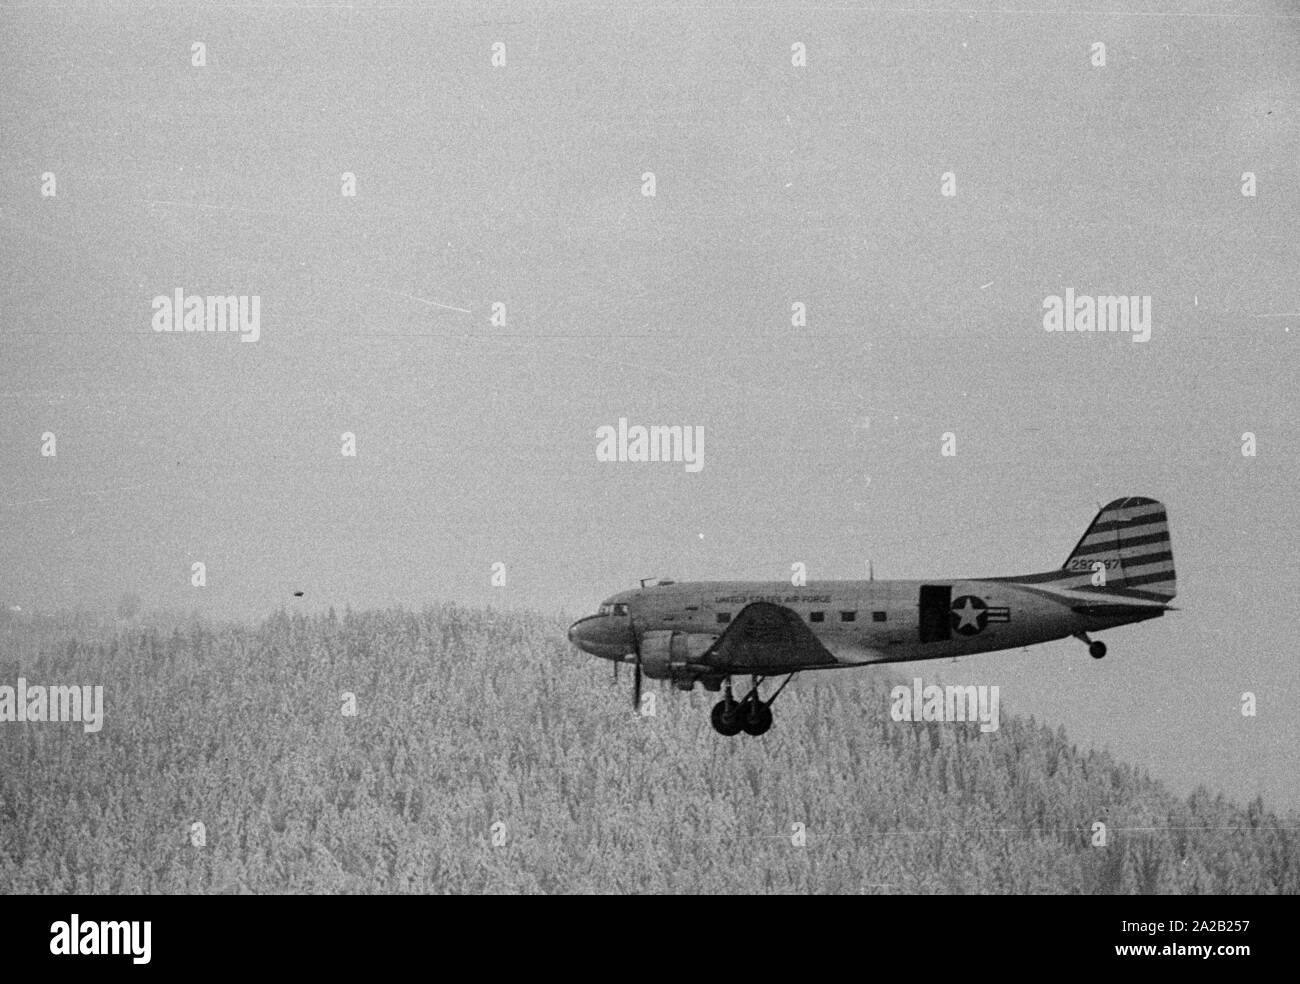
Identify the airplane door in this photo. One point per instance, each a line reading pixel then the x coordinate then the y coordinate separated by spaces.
pixel 936 612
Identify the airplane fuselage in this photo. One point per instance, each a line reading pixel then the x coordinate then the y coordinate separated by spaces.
pixel 1121 571
pixel 858 622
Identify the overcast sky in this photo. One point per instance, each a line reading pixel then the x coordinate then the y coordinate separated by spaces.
pixel 774 184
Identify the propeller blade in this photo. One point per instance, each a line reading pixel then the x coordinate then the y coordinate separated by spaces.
pixel 636 683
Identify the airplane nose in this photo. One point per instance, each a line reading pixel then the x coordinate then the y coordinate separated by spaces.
pixel 602 635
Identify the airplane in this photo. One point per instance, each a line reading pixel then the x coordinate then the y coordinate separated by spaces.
pixel 1121 571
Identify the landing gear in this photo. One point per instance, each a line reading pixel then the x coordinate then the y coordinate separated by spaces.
pixel 726 718
pixel 756 717
pixel 751 714
pixel 1096 648
pixel 726 713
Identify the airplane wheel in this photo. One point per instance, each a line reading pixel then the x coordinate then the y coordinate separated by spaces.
pixel 726 718
pixel 756 718
pixel 1097 650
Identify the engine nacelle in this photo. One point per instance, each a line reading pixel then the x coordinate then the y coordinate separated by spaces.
pixel 664 654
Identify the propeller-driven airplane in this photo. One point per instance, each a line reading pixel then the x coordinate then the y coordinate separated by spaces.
pixel 1121 571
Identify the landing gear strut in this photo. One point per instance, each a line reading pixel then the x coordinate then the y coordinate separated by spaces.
pixel 1096 648
pixel 726 714
pixel 756 717
pixel 750 714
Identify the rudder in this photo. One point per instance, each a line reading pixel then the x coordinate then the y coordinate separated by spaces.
pixel 1129 538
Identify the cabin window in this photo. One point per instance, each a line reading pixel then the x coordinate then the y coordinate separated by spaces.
pixel 848 616
pixel 724 617
pixel 879 617
pixel 817 616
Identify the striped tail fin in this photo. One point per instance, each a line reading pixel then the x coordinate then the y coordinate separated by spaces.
pixel 1129 541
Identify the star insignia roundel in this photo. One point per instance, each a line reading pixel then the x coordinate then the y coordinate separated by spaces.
pixel 969 615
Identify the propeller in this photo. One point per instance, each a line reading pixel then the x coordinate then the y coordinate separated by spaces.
pixel 636 681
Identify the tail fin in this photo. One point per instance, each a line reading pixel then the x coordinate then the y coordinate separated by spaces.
pixel 1128 542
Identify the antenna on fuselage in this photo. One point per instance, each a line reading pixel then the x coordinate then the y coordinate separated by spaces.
pixel 871 571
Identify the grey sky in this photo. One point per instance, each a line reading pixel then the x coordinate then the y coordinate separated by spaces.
pixel 775 184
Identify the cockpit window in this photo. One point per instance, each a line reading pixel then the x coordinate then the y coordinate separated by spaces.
pixel 604 609
pixel 611 609
pixel 619 610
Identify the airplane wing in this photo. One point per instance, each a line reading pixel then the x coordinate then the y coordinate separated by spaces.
pixel 767 638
